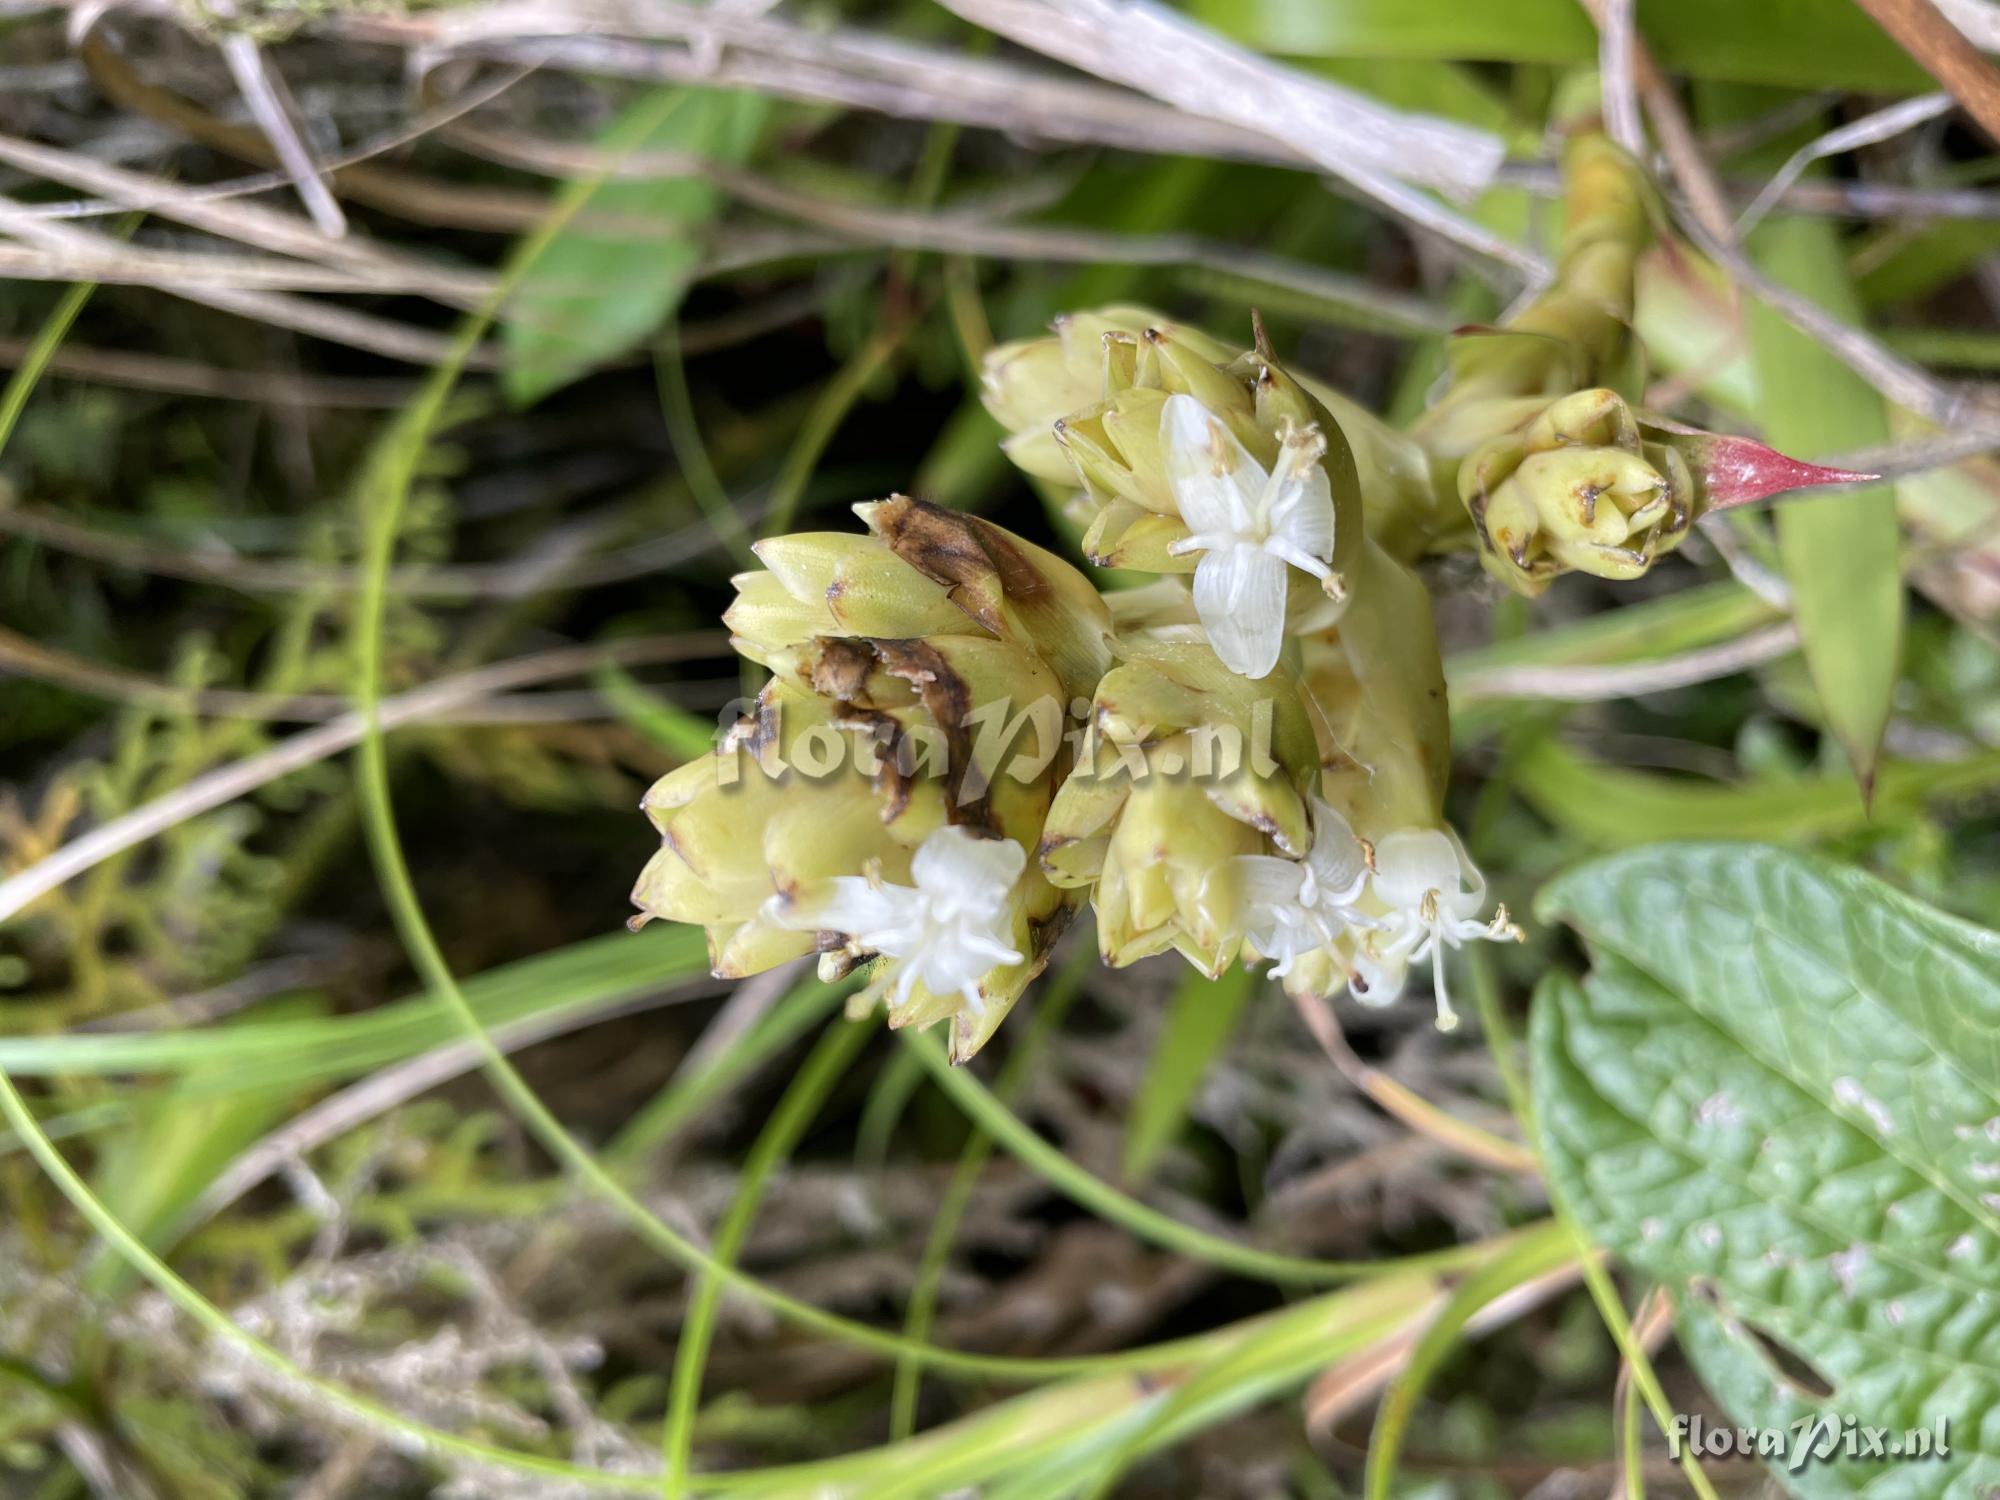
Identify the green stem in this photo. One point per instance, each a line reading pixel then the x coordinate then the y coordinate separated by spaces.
pixel 965 1177
pixel 835 400
pixel 1149 1223
pixel 822 1070
pixel 1610 1309
pixel 684 433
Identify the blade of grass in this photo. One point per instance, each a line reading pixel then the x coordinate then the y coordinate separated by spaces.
pixel 1529 1256
pixel 21 384
pixel 823 1068
pixel 1053 1005
pixel 1507 1061
pixel 1201 1019
pixel 1149 1224
pixel 302 1051
pixel 1829 43
pixel 1613 807
pixel 1841 554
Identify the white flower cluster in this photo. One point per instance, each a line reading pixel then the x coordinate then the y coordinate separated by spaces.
pixel 1409 897
pixel 946 933
pixel 1415 893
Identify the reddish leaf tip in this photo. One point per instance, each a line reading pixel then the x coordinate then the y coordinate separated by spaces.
pixel 1738 470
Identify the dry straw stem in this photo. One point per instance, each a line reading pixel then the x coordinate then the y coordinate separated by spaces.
pixel 422 200
pixel 1462 1137
pixel 139 371
pixel 62 252
pixel 1385 154
pixel 1291 119
pixel 247 223
pixel 29 658
pixel 564 559
pixel 263 90
pixel 837 65
pixel 226 783
pixel 1606 683
pixel 1978 19
pixel 1345 1387
pixel 841 66
pixel 1710 225
pixel 1945 53
pixel 958 234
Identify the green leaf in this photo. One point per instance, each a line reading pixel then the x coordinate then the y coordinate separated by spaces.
pixel 1842 554
pixel 150 1172
pixel 1616 808
pixel 1199 1024
pixel 1778 1091
pixel 251 1055
pixel 1795 43
pixel 673 728
pixel 1535 1252
pixel 1903 263
pixel 593 294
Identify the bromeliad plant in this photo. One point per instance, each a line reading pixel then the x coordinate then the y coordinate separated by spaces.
pixel 1243 759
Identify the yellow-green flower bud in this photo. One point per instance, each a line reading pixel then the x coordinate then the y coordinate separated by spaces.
pixel 922 676
pixel 1187 766
pixel 1578 487
pixel 1030 384
pixel 785 801
pixel 1168 876
pixel 1009 587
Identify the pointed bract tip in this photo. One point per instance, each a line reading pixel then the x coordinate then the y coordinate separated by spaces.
pixel 1738 470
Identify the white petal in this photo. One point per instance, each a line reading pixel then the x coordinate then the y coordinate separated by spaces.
pixel 1471 894
pixel 1302 516
pixel 1239 596
pixel 1411 862
pixel 1378 981
pixel 1338 862
pixel 1269 883
pixel 846 904
pixel 957 865
pixel 1216 483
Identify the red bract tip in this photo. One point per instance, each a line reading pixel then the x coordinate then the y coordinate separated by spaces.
pixel 1737 470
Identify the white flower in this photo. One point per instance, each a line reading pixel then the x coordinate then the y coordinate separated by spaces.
pixel 1249 526
pixel 947 932
pixel 1433 894
pixel 1294 907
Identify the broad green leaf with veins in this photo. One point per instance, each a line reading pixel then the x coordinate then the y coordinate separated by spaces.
pixel 1778 1091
